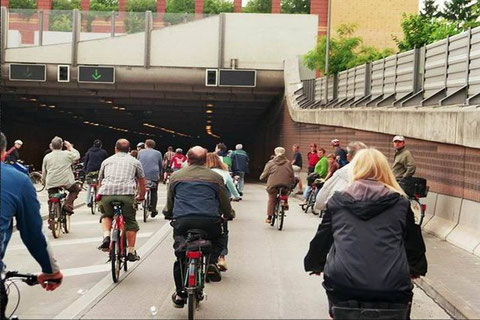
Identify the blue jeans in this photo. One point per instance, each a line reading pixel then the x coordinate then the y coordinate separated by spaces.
pixel 241 181
pixel 307 192
pixel 87 200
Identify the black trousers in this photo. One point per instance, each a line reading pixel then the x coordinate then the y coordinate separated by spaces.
pixel 3 300
pixel 154 198
pixel 213 228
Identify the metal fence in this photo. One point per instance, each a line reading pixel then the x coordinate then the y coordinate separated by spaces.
pixel 446 72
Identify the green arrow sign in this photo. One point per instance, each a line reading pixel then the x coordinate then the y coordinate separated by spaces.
pixel 27 72
pixel 96 75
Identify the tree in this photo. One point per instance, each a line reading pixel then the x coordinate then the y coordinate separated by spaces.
pixel 217 6
pixel 180 6
pixel 430 9
pixel 346 51
pixel 258 6
pixel 104 5
pixel 23 4
pixel 420 30
pixel 65 4
pixel 141 5
pixel 296 6
pixel 460 11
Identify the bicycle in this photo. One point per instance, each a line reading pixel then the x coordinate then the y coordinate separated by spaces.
pixel 10 278
pixel 147 203
pixel 118 242
pixel 415 188
pixel 36 178
pixel 79 175
pixel 93 197
pixel 281 205
pixel 310 202
pixel 197 255
pixel 58 218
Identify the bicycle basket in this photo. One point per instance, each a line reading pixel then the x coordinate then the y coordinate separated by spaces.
pixel 414 186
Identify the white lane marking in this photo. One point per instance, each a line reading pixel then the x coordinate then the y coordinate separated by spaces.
pixel 58 243
pixel 86 270
pixel 79 307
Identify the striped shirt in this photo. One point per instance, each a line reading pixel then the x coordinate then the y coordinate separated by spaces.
pixel 119 174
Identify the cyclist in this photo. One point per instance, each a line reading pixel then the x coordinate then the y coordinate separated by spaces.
pixel 118 177
pixel 196 199
pixel 93 159
pixel 278 172
pixel 340 154
pixel 403 162
pixel 240 161
pixel 19 201
pixel 166 162
pixel 320 172
pixel 151 161
pixel 178 160
pixel 214 163
pixel 373 214
pixel 340 179
pixel 12 154
pixel 57 171
pixel 140 146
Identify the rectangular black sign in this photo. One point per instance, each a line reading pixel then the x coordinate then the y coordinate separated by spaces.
pixel 28 72
pixel 237 78
pixel 96 74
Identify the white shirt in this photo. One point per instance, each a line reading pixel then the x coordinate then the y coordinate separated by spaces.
pixel 339 181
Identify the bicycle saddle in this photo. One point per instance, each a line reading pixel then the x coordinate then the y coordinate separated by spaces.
pixel 195 234
pixel 117 203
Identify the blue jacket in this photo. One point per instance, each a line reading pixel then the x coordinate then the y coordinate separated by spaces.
pixel 196 191
pixel 240 161
pixel 19 200
pixel 94 158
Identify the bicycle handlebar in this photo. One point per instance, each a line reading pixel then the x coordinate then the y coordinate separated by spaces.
pixel 28 278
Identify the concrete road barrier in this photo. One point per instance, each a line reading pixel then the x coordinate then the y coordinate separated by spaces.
pixel 466 234
pixel 447 213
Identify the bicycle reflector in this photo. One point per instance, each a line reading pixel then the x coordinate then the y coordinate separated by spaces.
pixel 191 279
pixel 284 198
pixel 194 254
pixel 424 207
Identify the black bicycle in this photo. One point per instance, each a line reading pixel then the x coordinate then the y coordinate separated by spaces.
pixel 10 279
pixel 281 205
pixel 147 203
pixel 58 218
pixel 310 202
pixel 194 276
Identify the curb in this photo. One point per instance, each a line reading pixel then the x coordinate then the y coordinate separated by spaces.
pixel 448 300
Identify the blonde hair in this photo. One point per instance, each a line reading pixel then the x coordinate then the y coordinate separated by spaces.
pixel 372 164
pixel 214 161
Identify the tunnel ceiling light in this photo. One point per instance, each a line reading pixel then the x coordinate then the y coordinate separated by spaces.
pixel 115 108
pixel 209 121
pixel 86 122
pixel 108 101
pixel 51 106
pixel 121 109
pixel 43 105
pixel 209 111
pixel 33 99
pixel 209 105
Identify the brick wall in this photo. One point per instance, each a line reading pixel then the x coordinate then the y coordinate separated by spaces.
pixel 276 7
pixel 320 8
pixel 4 3
pixel 450 169
pixel 237 6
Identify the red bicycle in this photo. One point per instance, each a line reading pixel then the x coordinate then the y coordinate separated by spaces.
pixel 118 242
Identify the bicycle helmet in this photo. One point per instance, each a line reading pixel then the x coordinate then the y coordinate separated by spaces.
pixel 141 145
pixel 178 150
pixel 335 142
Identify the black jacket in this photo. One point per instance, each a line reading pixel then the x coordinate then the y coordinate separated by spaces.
pixel 371 239
pixel 94 158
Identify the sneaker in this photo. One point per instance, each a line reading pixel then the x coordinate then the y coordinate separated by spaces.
pixel 68 209
pixel 213 274
pixel 132 257
pixel 154 214
pixel 105 244
pixel 178 300
pixel 222 264
pixel 286 207
pixel 268 220
pixel 240 193
pixel 89 205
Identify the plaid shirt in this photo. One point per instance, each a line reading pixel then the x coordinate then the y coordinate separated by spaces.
pixel 119 174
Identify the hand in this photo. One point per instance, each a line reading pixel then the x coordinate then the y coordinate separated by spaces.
pixel 139 198
pixel 413 277
pixel 68 145
pixel 316 273
pixel 43 280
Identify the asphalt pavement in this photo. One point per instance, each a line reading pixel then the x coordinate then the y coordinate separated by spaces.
pixel 265 277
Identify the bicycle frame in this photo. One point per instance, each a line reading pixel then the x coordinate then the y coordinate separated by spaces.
pixel 118 223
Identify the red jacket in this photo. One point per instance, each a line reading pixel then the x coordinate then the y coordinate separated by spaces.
pixel 177 160
pixel 312 159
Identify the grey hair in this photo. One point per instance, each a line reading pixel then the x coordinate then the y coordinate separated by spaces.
pixel 3 142
pixel 355 146
pixel 57 143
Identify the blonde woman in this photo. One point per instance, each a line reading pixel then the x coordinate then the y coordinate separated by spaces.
pixel 216 164
pixel 374 246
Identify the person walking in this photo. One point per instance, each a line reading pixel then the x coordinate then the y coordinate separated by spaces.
pixel 240 161
pixel 297 166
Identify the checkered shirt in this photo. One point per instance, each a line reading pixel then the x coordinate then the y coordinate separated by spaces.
pixel 119 173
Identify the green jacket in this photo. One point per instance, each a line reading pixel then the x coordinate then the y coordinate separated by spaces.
pixel 321 168
pixel 403 164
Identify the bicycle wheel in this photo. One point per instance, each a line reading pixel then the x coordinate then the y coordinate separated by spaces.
pixel 115 257
pixel 280 218
pixel 93 194
pixel 192 305
pixel 37 181
pixel 66 221
pixel 55 219
pixel 146 207
pixel 124 252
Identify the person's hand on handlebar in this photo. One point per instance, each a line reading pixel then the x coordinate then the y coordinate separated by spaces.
pixel 45 280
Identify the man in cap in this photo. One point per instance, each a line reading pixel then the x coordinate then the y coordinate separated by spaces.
pixel 403 162
pixel 12 155
pixel 279 173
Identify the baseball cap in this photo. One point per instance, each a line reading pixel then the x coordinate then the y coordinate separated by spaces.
pixel 20 142
pixel 279 151
pixel 398 138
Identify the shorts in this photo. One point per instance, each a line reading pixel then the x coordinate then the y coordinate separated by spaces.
pixel 128 210
pixel 296 171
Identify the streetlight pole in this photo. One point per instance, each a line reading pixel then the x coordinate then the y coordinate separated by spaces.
pixel 327 49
